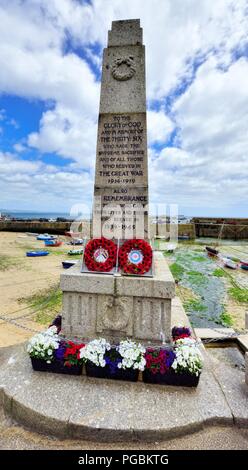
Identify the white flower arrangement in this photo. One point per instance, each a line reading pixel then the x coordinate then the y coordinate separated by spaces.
pixel 188 357
pixel 94 351
pixel 132 355
pixel 42 345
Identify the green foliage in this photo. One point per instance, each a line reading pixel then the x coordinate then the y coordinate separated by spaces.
pixel 47 304
pixel 199 258
pixel 55 252
pixel 7 262
pixel 239 294
pixel 219 272
pixel 225 319
pixel 194 305
pixel 196 278
pixel 177 271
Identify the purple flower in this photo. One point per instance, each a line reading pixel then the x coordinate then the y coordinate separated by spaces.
pixel 169 358
pixel 180 331
pixel 112 359
pixel 59 353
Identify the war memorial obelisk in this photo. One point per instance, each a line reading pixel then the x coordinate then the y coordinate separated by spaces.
pixel 121 177
pixel 115 306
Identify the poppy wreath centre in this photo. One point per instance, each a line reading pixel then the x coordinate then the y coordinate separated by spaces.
pixel 104 263
pixel 145 257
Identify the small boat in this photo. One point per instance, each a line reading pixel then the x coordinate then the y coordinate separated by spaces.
pixel 34 254
pixel 233 258
pixel 69 234
pixel 183 237
pixel 211 251
pixel 228 263
pixel 31 234
pixel 244 262
pixel 170 248
pixel 75 252
pixel 45 236
pixel 53 243
pixel 77 241
pixel 244 266
pixel 68 264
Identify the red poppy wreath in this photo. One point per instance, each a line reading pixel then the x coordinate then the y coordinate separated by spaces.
pixel 100 255
pixel 135 257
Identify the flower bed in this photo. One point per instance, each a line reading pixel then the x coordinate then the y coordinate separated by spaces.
pixel 179 364
pixel 122 362
pixel 171 378
pixel 129 375
pixel 48 353
pixel 55 366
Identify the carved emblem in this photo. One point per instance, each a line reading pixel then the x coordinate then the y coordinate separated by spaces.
pixel 123 68
pixel 116 313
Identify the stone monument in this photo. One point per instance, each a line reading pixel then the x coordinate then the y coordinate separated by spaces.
pixel 112 305
pixel 121 177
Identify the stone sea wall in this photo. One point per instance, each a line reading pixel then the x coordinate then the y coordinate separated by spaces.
pixel 34 226
pixel 205 228
pixel 226 229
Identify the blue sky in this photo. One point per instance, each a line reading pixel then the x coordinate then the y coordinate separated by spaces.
pixel 197 101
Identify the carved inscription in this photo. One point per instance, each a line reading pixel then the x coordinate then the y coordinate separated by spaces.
pixel 121 169
pixel 121 154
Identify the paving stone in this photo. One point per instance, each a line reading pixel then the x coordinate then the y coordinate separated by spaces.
pixel 110 410
pixel 207 333
pixel 232 383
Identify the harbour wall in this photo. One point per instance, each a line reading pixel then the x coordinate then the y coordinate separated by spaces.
pixel 225 229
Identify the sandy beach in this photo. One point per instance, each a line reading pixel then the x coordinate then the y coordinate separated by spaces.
pixel 20 278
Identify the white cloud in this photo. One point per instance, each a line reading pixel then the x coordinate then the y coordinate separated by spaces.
pixel 69 133
pixel 211 115
pixel 159 126
pixel 33 65
pixel 216 105
pixel 212 166
pixel 19 147
pixel 48 187
pixel 175 32
pixel 10 165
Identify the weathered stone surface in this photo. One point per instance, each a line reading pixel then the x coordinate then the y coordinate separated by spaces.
pixel 43 402
pixel 126 32
pixel 243 341
pixel 216 333
pixel 246 368
pixel 75 281
pixel 213 406
pixel 232 382
pixel 121 176
pixel 118 306
pixel 246 320
pixel 123 72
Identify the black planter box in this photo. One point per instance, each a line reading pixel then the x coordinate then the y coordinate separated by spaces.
pixel 171 378
pixel 130 375
pixel 56 366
